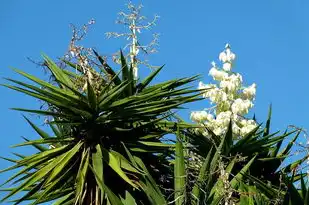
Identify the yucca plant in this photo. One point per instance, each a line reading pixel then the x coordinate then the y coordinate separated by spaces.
pixel 249 170
pixel 106 146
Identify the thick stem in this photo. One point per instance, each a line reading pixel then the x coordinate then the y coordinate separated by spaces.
pixel 134 50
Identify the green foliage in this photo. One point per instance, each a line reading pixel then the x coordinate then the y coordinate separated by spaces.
pixel 245 171
pixel 107 146
pixel 105 138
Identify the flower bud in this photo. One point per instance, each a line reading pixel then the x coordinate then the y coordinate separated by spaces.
pixel 227 66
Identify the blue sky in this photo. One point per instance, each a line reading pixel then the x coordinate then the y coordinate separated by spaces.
pixel 269 37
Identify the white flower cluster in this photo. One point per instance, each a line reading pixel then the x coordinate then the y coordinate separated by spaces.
pixel 232 100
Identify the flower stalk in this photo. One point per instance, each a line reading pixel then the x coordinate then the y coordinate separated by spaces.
pixel 232 100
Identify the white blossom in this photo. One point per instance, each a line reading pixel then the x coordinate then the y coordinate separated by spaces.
pixel 232 100
pixel 241 106
pixel 250 91
pixel 196 117
pixel 202 86
pixel 231 83
pixel 230 56
pixel 227 55
pixel 227 66
pixel 223 119
pixel 235 128
pixel 217 74
pixel 222 57
pixel 246 129
pixel 215 95
pixel 209 117
pixel 251 122
pixel 200 116
pixel 219 131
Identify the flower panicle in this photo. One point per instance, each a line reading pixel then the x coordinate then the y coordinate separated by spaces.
pixel 232 100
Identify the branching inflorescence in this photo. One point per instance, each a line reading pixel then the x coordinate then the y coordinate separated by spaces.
pixel 232 101
pixel 136 23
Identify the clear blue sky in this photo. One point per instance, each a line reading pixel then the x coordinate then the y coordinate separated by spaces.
pixel 269 37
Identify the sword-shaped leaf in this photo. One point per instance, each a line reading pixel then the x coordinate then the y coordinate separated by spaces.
pixel 113 162
pixel 57 72
pixel 179 171
pixel 112 197
pixel 148 79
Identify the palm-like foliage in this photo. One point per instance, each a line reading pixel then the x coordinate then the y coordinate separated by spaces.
pixel 107 146
pixel 245 171
pixel 106 137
